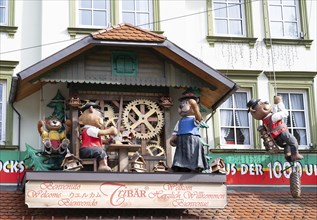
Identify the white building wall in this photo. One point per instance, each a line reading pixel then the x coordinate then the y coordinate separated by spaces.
pixel 42 31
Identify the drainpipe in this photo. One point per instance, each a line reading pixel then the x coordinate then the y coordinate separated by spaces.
pixel 12 95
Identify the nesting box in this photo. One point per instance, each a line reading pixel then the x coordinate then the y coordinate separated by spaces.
pixel 166 102
pixel 218 165
pixel 160 167
pixel 75 101
pixel 137 163
pixel 71 163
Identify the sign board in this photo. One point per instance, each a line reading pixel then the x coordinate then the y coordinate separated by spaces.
pixel 61 194
pixel 267 169
pixel 242 169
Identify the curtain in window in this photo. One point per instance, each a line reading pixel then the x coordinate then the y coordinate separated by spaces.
pixel 286 104
pixel 298 117
pixel 225 119
pixel 242 116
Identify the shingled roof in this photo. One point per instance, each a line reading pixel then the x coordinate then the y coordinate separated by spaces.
pixel 241 205
pixel 127 32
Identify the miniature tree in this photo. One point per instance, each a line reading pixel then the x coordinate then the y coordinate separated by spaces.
pixel 36 160
pixel 58 104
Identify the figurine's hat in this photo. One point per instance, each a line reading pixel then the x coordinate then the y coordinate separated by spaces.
pixel 252 103
pixel 88 105
pixel 189 95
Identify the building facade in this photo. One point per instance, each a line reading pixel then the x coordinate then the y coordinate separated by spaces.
pixel 266 47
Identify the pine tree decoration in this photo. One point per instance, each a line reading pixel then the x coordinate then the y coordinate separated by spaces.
pixel 58 104
pixel 36 160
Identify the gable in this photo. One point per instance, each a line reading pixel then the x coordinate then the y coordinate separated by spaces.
pixel 160 63
pixel 95 67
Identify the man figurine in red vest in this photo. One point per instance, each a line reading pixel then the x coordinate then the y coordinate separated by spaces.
pixel 92 143
pixel 273 122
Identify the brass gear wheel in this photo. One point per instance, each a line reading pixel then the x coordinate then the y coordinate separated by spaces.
pixel 111 122
pixel 155 150
pixel 108 112
pixel 154 140
pixel 143 118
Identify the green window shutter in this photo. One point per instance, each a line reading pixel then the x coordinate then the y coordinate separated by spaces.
pixel 124 63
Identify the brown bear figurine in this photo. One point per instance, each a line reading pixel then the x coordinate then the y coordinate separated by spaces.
pixel 54 140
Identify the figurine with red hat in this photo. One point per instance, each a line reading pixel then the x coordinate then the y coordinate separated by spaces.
pixel 273 122
pixel 189 154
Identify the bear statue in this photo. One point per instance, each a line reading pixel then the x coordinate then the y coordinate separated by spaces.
pixel 54 136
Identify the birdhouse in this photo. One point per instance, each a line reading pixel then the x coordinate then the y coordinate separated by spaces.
pixel 71 163
pixel 160 167
pixel 137 163
pixel 166 102
pixel 218 165
pixel 75 101
pixel 127 137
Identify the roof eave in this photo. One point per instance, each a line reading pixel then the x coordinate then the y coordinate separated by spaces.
pixel 57 58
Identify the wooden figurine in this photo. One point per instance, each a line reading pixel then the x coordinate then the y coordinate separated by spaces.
pixel 189 155
pixel 273 122
pixel 92 143
pixel 54 140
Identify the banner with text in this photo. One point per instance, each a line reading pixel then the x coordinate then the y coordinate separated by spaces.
pixel 267 169
pixel 244 169
pixel 54 194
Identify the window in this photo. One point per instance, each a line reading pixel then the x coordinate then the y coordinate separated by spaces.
pixel 93 13
pixel 297 90
pixel 87 16
pixel 284 18
pixel 138 13
pixel 3 12
pixel 7 17
pixel 286 22
pixel 124 63
pixel 296 104
pixel 229 17
pixel 230 21
pixel 97 13
pixel 2 111
pixel 6 111
pixel 235 123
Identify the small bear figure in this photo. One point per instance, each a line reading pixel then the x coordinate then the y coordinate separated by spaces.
pixel 53 139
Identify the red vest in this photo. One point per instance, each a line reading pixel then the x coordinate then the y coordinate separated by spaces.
pixel 88 141
pixel 274 128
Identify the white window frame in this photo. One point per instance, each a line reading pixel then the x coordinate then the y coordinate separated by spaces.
pixel 6 12
pixel 3 112
pixel 149 24
pixel 107 10
pixel 238 146
pixel 305 102
pixel 283 21
pixel 228 19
